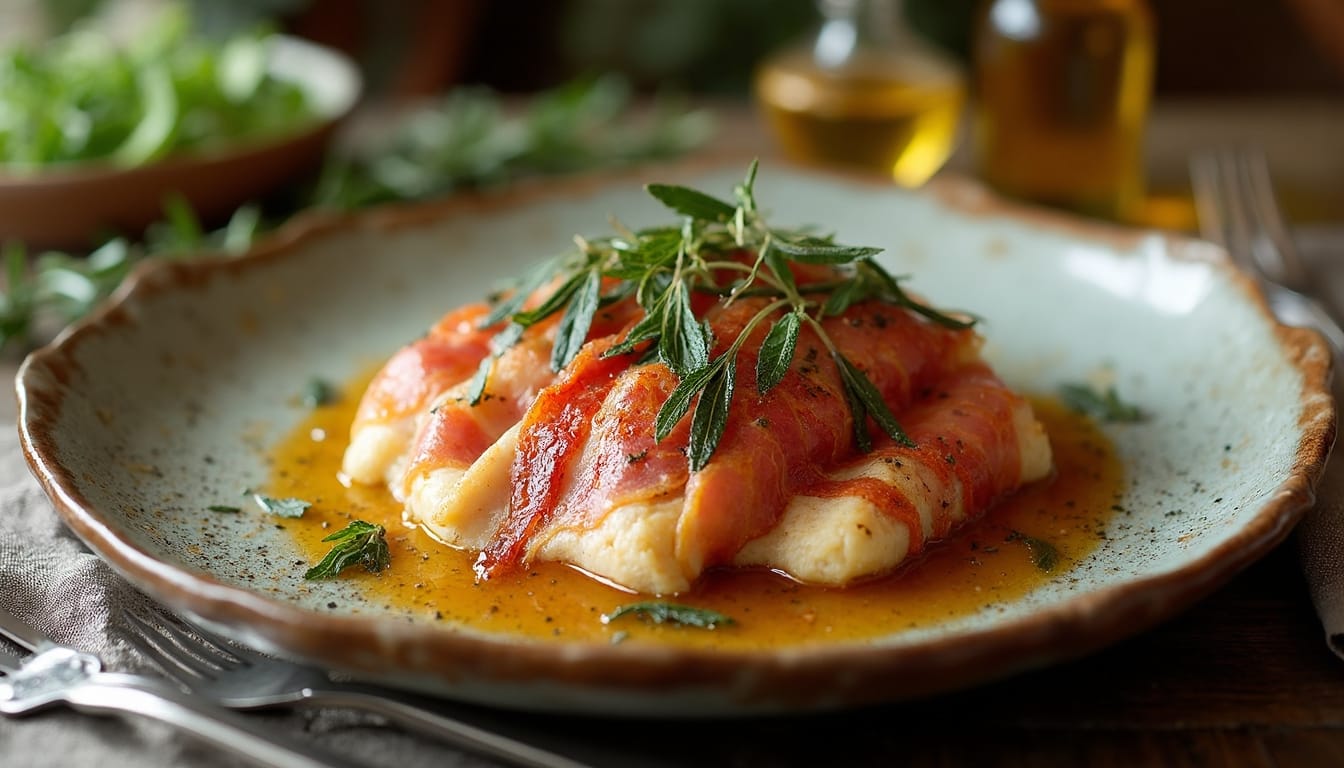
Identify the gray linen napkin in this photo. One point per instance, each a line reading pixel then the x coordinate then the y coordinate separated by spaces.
pixel 1320 537
pixel 49 579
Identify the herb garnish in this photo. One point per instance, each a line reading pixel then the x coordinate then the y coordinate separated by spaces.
pixel 1044 555
pixel 662 267
pixel 224 508
pixel 358 543
pixel 318 392
pixel 660 612
pixel 1106 406
pixel 281 507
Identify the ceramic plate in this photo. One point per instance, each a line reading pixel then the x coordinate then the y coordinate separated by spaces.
pixel 166 400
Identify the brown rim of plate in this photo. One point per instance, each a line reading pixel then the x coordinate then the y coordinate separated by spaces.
pixel 789 679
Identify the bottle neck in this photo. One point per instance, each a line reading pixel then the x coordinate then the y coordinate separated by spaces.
pixel 849 25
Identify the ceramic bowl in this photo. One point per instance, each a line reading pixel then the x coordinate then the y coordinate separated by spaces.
pixel 72 206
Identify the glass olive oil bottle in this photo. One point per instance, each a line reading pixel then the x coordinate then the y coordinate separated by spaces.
pixel 1063 90
pixel 864 92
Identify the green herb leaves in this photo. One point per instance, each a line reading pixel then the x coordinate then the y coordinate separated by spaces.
pixel 1044 555
pixel 358 543
pixel 777 352
pixel 318 392
pixel 578 318
pixel 660 612
pixel 692 203
pixel 725 250
pixel 1106 406
pixel 281 507
pixel 865 401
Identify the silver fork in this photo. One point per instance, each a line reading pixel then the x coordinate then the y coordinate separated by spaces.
pixel 1234 197
pixel 55 674
pixel 241 678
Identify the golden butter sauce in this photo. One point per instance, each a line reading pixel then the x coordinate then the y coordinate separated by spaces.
pixel 987 563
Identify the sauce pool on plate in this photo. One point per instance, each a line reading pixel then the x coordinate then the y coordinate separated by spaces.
pixel 1032 537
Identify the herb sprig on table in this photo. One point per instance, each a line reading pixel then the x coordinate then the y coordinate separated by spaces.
pixel 662 267
pixel 470 139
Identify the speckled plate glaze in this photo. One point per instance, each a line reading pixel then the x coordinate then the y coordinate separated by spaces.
pixel 172 392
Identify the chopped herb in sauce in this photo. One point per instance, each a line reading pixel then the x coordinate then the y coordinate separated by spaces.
pixel 1044 555
pixel 224 508
pixel 318 392
pixel 660 612
pixel 1106 406
pixel 281 507
pixel 358 543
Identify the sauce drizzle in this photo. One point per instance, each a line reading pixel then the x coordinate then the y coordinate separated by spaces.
pixel 983 567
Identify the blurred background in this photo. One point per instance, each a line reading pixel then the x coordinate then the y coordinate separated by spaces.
pixel 1095 106
pixel 410 48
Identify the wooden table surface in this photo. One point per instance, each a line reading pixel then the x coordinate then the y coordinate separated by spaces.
pixel 1243 678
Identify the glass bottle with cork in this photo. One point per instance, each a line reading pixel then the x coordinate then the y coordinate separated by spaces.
pixel 1062 94
pixel 864 91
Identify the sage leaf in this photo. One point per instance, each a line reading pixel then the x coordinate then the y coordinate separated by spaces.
pixel 529 285
pixel 660 612
pixel 857 381
pixel 499 344
pixel 318 392
pixel 679 402
pixel 843 297
pixel 1044 555
pixel 577 320
pixel 649 327
pixel 359 543
pixel 814 251
pixel 777 352
pixel 692 203
pixel 553 303
pixel 683 345
pixel 779 265
pixel 281 507
pixel 897 295
pixel 1106 406
pixel 711 415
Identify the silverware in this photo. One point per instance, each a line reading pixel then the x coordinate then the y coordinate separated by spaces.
pixel 55 674
pixel 1234 198
pixel 240 678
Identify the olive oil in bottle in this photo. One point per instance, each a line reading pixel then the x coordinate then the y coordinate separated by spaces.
pixel 864 92
pixel 1062 93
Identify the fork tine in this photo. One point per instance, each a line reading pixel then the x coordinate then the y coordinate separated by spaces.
pixel 225 646
pixel 152 641
pixel 1220 210
pixel 9 663
pixel 1209 204
pixel 1276 253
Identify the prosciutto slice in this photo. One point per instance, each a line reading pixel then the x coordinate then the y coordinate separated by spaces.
pixel 565 467
pixel 398 396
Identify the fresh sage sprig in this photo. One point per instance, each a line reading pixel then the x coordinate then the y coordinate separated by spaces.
pixel 663 267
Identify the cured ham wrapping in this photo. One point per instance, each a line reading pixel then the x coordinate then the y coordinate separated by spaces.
pixel 565 466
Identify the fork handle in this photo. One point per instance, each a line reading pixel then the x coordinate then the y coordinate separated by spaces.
pixel 389 704
pixel 107 692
